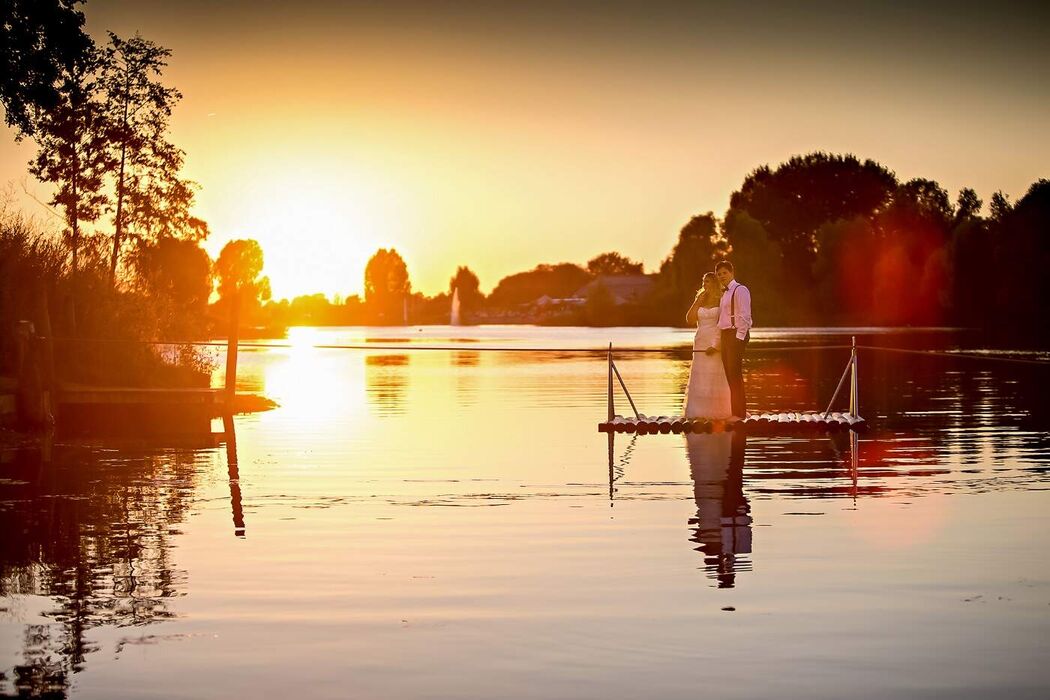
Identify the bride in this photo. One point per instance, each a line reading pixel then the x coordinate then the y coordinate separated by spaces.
pixel 707 395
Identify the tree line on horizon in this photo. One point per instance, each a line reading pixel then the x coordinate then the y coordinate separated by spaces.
pixel 821 239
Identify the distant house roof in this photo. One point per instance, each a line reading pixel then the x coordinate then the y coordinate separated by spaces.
pixel 546 300
pixel 624 289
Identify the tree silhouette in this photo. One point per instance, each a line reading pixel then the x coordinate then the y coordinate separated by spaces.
pixel 999 207
pixel 842 272
pixel 613 263
pixel 1022 256
pixel 177 276
pixel 911 283
pixel 699 244
pixel 967 205
pixel 556 281
pixel 151 199
pixel 239 272
pixel 971 248
pixel 797 198
pixel 470 296
pixel 925 199
pixel 40 40
pixel 73 147
pixel 386 285
pixel 759 263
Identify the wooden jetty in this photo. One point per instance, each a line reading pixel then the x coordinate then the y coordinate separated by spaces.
pixel 764 422
pixel 75 394
pixel 99 410
pixel 36 398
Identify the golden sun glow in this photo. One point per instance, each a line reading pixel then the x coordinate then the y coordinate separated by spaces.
pixel 317 228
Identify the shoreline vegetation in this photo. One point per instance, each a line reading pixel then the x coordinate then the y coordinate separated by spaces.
pixel 822 239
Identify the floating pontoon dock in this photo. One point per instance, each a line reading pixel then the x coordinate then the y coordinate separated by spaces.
pixel 764 422
pixel 771 423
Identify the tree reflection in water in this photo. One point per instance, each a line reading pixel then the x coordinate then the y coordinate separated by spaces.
pixel 94 536
pixel 386 381
pixel 465 365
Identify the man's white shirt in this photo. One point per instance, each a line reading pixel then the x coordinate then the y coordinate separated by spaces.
pixel 736 298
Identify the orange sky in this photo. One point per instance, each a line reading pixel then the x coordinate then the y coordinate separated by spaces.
pixel 502 135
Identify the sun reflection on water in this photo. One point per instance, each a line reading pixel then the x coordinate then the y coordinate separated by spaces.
pixel 301 380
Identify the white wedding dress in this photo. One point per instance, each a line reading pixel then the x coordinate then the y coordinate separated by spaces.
pixel 707 395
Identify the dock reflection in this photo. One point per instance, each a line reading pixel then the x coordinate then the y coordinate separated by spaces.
pixel 722 526
pixel 230 432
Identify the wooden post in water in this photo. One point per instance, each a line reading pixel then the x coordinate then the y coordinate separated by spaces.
pixel 47 344
pixel 231 349
pixel 227 417
pixel 612 412
pixel 854 408
pixel 29 396
pixel 35 398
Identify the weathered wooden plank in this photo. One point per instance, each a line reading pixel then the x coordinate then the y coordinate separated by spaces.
pixel 81 395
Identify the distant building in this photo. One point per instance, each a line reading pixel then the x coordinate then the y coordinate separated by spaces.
pixel 549 301
pixel 624 289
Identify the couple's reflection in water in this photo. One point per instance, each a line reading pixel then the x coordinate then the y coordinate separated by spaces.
pixel 722 526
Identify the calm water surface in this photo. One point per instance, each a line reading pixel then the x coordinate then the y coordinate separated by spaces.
pixel 450 524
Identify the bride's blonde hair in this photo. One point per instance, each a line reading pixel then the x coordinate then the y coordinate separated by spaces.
pixel 701 293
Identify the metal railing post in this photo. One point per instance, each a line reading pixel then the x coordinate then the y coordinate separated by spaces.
pixel 854 407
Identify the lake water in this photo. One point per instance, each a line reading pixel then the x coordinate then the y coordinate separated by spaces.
pixel 451 524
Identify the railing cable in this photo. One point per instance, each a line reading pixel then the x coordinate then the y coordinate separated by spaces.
pixel 467 347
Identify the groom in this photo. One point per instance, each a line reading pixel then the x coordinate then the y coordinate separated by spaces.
pixel 734 321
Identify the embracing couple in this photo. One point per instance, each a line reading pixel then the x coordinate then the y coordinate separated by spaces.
pixel 722 314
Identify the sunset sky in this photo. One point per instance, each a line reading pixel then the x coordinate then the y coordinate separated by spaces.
pixel 502 135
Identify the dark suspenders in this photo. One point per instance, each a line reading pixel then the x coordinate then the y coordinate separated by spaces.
pixel 732 306
pixel 732 311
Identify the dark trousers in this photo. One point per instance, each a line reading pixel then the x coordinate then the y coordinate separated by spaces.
pixel 733 363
